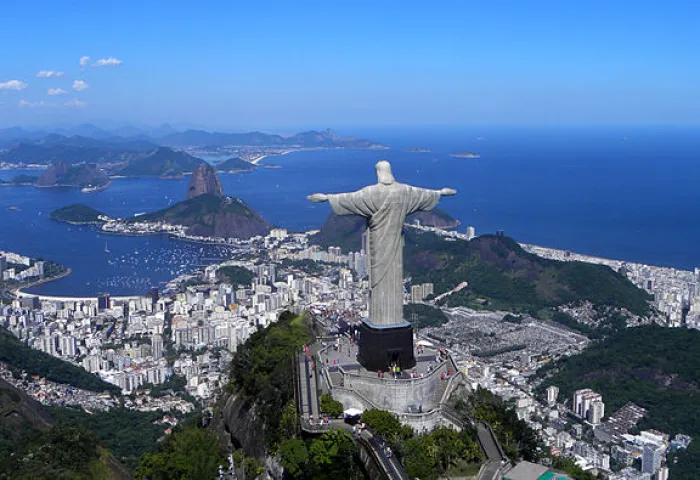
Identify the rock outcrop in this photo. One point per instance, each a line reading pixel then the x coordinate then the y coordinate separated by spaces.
pixel 204 180
pixel 64 175
pixel 52 175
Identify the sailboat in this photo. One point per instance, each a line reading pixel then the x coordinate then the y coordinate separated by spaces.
pixel 106 248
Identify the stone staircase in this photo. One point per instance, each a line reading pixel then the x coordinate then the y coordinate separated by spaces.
pixel 439 392
pixel 336 378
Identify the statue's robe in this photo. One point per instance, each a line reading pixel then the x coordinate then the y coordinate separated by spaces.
pixel 385 207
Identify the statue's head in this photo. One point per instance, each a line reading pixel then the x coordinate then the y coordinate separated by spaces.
pixel 384 172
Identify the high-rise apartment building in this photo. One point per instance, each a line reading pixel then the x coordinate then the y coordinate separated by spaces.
pixel 552 394
pixel 583 400
pixel 471 232
pixel 651 458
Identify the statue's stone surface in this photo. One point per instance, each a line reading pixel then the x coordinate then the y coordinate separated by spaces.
pixel 385 206
pixel 204 180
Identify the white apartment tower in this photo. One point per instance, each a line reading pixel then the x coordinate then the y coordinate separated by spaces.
pixel 552 394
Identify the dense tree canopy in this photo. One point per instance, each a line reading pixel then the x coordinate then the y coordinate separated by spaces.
pixel 190 454
pixel 262 369
pixel 654 367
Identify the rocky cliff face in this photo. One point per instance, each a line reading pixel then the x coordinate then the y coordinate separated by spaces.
pixel 52 175
pixel 204 180
pixel 235 424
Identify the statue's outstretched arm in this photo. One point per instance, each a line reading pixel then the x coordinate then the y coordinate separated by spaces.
pixel 448 192
pixel 318 197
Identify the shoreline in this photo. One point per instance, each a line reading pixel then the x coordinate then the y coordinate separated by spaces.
pixel 19 290
pixel 21 293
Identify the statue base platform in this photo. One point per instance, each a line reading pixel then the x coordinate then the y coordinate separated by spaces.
pixel 380 347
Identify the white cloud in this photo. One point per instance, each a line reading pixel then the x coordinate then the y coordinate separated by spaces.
pixel 49 74
pixel 75 103
pixel 13 85
pixel 56 91
pixel 84 61
pixel 80 85
pixel 107 62
pixel 25 104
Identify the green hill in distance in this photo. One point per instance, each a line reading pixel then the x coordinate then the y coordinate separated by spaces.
pixel 162 162
pixel 70 175
pixel 77 213
pixel 209 215
pixel 654 367
pixel 234 164
pixel 501 275
pixel 345 231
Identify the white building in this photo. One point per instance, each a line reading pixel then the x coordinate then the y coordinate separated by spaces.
pixel 596 412
pixel 582 401
pixel 471 232
pixel 651 458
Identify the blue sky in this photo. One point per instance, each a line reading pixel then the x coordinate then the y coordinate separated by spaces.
pixel 237 65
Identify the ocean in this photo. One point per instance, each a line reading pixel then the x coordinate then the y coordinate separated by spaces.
pixel 625 193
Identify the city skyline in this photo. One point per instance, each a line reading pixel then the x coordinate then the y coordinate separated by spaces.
pixel 273 64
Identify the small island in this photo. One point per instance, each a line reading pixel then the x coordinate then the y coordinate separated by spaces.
pixel 235 165
pixel 465 155
pixel 417 150
pixel 79 214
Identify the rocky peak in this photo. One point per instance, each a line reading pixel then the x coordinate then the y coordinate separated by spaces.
pixel 204 180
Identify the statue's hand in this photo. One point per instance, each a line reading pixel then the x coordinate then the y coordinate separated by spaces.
pixel 448 192
pixel 318 197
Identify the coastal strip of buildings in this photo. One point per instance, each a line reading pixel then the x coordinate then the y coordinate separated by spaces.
pixel 676 292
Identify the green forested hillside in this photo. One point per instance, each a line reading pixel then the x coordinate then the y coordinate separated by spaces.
pixel 20 357
pixel 421 315
pixel 212 216
pixel 654 367
pixel 77 213
pixel 501 275
pixel 234 164
pixel 128 434
pixel 21 418
pixel 262 369
pixel 65 451
pixel 34 446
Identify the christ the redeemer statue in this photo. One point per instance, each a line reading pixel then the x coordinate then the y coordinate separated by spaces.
pixel 385 206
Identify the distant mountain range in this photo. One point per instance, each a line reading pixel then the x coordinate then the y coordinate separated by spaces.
pixel 136 139
pixel 130 151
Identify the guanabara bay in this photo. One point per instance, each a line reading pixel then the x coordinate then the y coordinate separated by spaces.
pixel 349 240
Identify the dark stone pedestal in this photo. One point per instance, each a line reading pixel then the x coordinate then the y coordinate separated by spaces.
pixel 379 347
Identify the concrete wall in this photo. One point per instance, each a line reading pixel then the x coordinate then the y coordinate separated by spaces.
pixel 396 396
pixel 424 423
